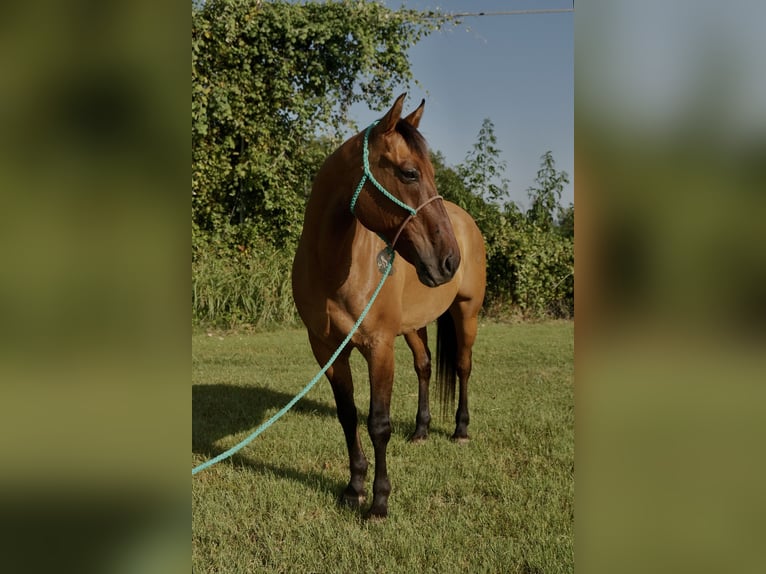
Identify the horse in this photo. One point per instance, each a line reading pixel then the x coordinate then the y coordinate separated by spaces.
pixel 375 193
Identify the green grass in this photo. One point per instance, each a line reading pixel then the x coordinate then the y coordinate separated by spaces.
pixel 501 503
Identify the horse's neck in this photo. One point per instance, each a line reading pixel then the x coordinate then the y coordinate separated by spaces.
pixel 330 227
pixel 330 214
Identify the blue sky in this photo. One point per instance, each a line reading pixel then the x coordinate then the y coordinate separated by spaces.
pixel 700 56
pixel 515 70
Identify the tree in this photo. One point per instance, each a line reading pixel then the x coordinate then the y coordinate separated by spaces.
pixel 530 257
pixel 566 221
pixel 482 172
pixel 546 194
pixel 451 185
pixel 268 78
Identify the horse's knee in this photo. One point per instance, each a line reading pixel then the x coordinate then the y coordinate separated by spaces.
pixel 358 466
pixel 379 427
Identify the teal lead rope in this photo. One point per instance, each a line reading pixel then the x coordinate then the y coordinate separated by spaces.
pixel 367 175
pixel 308 387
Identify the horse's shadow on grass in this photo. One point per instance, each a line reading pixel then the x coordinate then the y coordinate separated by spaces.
pixel 220 410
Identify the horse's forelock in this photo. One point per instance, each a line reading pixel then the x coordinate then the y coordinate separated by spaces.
pixel 412 137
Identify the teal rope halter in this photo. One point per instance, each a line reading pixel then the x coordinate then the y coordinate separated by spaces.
pixel 368 176
pixel 386 268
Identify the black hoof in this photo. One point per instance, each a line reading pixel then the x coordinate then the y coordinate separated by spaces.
pixel 352 499
pixel 419 436
pixel 376 513
pixel 460 439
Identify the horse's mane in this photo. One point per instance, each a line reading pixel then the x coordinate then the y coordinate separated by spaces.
pixel 412 137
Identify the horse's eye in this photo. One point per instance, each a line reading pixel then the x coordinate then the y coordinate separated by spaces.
pixel 409 174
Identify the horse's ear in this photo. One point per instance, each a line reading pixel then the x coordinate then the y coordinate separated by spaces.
pixel 387 123
pixel 414 118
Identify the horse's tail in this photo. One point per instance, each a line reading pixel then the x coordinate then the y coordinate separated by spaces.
pixel 446 354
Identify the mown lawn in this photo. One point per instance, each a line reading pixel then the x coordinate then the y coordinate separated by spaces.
pixel 501 503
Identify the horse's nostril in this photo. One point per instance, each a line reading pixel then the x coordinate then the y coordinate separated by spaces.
pixel 450 264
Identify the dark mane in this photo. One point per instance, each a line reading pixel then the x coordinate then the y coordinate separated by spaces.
pixel 412 138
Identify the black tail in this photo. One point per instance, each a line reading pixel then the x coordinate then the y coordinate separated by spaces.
pixel 446 353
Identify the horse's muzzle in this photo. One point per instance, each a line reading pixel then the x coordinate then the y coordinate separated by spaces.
pixel 439 271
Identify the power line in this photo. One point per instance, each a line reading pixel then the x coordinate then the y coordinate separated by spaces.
pixel 509 12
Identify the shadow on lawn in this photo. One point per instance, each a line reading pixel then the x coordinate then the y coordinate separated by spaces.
pixel 222 410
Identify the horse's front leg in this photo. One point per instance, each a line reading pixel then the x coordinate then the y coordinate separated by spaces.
pixel 380 361
pixel 339 375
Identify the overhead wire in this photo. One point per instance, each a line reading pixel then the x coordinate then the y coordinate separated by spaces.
pixel 510 12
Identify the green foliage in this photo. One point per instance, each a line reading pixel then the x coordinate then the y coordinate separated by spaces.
pixel 566 221
pixel 543 263
pixel 483 169
pixel 546 194
pixel 267 77
pixel 530 258
pixel 272 83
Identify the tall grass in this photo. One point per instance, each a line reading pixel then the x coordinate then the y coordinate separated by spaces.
pixel 236 288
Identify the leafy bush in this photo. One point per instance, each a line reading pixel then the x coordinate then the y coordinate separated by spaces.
pixel 267 77
pixel 271 86
pixel 530 256
pixel 272 83
pixel 536 269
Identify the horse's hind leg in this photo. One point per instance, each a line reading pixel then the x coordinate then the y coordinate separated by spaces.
pixel 339 375
pixel 465 317
pixel 418 343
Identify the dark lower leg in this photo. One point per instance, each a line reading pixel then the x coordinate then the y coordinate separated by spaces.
pixel 423 417
pixel 380 361
pixel 354 494
pixel 380 432
pixel 418 343
pixel 461 416
pixel 342 383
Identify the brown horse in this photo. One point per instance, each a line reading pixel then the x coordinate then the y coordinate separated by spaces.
pixel 379 186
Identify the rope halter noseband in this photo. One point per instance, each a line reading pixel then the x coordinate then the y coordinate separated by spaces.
pixel 368 175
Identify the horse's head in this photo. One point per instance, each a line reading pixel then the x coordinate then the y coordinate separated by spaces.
pixel 415 221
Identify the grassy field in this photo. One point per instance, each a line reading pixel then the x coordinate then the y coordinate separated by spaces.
pixel 501 503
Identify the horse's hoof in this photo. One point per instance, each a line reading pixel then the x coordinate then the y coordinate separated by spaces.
pixel 460 439
pixel 376 514
pixel 352 500
pixel 418 437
